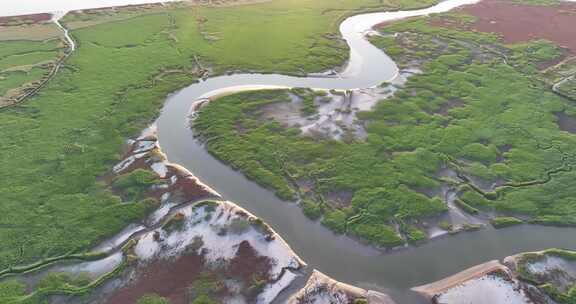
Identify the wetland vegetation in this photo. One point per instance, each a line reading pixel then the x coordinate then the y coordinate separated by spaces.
pixel 478 117
pixel 58 147
pixel 479 108
pixel 24 64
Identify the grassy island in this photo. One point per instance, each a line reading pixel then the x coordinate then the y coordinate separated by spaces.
pixel 479 108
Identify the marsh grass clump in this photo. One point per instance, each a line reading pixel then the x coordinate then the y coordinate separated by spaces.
pixel 261 226
pixel 256 286
pixel 12 289
pixel 150 204
pixel 505 221
pixel 473 199
pixel 311 209
pixel 414 234
pixel 239 225
pixel 61 280
pixel 308 98
pixel 360 301
pixel 208 206
pixel 471 227
pixel 175 223
pixel 467 208
pixel 134 185
pixel 556 278
pixel 378 234
pixel 205 288
pixel 152 299
pixel 563 253
pixel 336 220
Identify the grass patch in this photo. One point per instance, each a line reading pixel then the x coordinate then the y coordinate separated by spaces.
pixel 503 222
pixel 467 208
pixel 152 299
pixel 135 184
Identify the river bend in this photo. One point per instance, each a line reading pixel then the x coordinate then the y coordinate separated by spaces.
pixel 338 256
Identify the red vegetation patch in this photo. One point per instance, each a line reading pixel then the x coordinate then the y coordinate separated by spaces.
pixel 169 279
pixel 187 187
pixel 248 264
pixel 520 22
pixel 25 19
pixel 172 279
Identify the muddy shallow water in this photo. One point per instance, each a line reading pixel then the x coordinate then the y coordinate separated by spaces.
pixel 340 257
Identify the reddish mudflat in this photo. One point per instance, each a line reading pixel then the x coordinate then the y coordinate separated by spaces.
pixel 170 279
pixel 520 22
pixel 25 19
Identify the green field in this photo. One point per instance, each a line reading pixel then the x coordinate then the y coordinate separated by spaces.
pixel 25 61
pixel 478 108
pixel 56 145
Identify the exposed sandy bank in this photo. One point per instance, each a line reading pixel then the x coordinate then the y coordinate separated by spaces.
pixel 322 289
pixel 438 287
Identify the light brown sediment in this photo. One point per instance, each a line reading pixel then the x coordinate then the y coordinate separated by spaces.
pixel 320 286
pixel 36 32
pixel 438 287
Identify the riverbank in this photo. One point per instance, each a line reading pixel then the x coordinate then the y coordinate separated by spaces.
pixel 439 287
pixel 322 289
pixel 531 277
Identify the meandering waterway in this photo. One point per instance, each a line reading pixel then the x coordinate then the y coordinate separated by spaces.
pixel 340 257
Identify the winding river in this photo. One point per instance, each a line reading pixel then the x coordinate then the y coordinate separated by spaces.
pixel 338 256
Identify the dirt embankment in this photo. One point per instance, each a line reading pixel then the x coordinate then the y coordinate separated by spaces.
pixel 521 22
pixel 438 287
pixel 322 289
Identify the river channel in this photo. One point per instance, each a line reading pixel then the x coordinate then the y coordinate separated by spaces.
pixel 340 257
